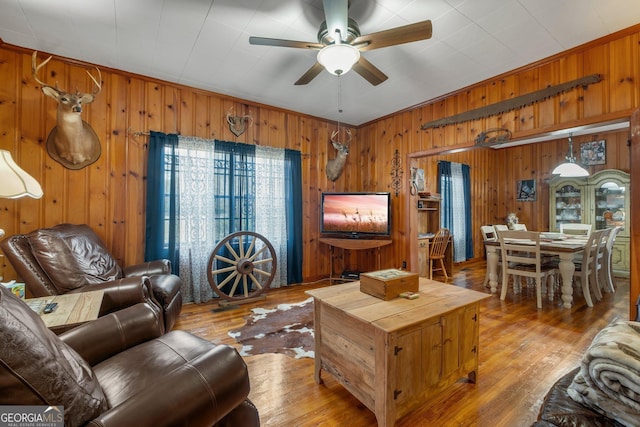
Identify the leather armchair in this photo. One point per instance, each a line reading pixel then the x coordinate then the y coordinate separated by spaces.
pixel 121 370
pixel 72 258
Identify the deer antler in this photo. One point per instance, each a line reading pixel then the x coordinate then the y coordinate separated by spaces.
pixel 230 118
pixel 97 82
pixel 336 133
pixel 35 68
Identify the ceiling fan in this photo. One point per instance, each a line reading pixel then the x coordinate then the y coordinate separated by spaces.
pixel 340 43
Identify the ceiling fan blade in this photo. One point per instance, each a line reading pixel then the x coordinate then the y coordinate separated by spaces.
pixel 310 74
pixel 369 71
pixel 264 41
pixel 399 35
pixel 336 14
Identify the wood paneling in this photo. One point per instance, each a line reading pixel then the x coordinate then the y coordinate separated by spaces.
pixel 109 195
pixel 496 172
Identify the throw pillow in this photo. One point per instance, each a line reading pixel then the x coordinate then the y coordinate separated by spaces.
pixel 73 256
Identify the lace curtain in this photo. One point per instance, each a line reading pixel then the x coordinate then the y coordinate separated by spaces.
pixel 196 228
pixel 271 218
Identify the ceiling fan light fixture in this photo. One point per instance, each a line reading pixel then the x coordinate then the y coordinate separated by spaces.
pixel 338 58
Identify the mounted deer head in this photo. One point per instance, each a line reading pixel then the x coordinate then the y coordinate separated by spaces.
pixel 238 124
pixel 336 165
pixel 72 143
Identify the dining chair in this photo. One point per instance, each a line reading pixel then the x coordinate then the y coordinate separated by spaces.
pixel 598 284
pixel 575 229
pixel 521 258
pixel 586 267
pixel 501 227
pixel 488 235
pixel 437 253
pixel 606 273
pixel 519 227
pixel 488 232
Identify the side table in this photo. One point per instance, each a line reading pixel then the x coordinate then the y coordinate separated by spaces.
pixel 73 309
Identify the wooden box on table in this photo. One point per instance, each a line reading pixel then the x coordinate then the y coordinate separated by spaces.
pixel 388 284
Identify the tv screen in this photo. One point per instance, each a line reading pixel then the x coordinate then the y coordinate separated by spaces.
pixel 356 214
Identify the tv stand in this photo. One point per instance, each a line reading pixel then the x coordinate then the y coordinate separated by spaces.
pixel 353 245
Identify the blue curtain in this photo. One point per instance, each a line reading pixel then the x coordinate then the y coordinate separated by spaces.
pixel 454 186
pixel 466 183
pixel 160 241
pixel 294 215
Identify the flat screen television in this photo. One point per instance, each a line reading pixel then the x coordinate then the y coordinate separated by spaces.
pixel 356 214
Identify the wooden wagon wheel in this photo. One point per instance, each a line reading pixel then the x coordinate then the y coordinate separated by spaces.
pixel 242 266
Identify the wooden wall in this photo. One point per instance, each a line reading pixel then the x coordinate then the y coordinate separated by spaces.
pixel 109 195
pixel 495 172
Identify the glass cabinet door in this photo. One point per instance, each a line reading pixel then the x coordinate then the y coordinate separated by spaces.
pixel 569 204
pixel 610 206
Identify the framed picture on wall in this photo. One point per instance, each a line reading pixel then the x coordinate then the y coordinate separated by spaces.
pixel 526 190
pixel 593 153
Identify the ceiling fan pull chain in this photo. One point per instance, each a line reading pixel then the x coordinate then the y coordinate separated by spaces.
pixel 339 103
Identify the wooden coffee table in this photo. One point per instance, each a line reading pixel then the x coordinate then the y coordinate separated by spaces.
pixel 72 310
pixel 396 355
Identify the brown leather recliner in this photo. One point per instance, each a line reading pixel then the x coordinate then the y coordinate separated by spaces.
pixel 72 258
pixel 120 370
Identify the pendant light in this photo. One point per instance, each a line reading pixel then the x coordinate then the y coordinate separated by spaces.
pixel 570 168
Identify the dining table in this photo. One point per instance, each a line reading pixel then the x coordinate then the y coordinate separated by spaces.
pixel 566 247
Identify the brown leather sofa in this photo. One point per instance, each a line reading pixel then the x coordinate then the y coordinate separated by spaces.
pixel 121 370
pixel 72 258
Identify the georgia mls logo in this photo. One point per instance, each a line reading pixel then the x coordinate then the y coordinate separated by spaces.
pixel 31 416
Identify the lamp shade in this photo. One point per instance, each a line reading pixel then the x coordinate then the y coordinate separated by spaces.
pixel 14 181
pixel 338 58
pixel 569 169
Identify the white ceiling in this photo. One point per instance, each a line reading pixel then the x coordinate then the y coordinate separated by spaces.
pixel 205 44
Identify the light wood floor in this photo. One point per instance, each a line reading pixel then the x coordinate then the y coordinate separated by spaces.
pixel 523 351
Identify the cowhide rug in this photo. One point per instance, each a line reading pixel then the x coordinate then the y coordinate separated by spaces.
pixel 286 329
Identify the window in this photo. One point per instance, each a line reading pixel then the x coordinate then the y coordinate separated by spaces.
pixel 211 189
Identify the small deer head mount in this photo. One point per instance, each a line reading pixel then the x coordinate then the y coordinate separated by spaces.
pixel 72 143
pixel 336 165
pixel 238 124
